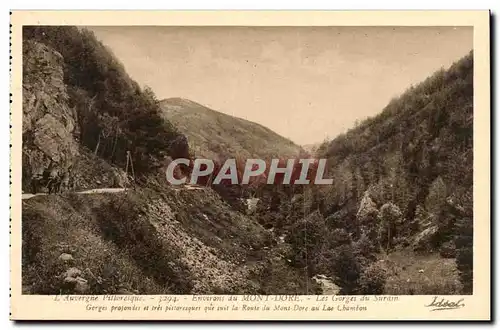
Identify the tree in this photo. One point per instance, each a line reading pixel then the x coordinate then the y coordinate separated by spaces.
pixel 179 147
pixel 346 270
pixel 464 241
pixel 390 217
pixel 372 280
pixel 436 198
pixel 366 250
pixel 307 238
pixel 108 127
pixel 339 237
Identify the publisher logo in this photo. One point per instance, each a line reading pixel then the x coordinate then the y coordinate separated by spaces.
pixel 250 172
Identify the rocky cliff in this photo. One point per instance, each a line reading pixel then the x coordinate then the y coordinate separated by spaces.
pixel 50 125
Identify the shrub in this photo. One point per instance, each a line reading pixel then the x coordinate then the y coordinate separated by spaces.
pixel 448 250
pixel 346 269
pixel 339 237
pixel 372 280
pixel 366 250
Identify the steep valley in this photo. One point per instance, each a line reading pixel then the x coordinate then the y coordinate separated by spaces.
pixel 396 220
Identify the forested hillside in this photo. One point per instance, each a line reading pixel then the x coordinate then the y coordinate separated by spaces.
pixel 215 135
pixel 112 113
pixel 402 182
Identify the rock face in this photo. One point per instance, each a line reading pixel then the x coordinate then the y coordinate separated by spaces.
pixel 327 285
pixel 65 257
pixel 367 211
pixel 252 205
pixel 49 124
pixel 423 241
pixel 51 128
pixel 367 216
pixel 73 280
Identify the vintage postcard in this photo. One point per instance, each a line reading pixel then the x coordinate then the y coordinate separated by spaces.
pixel 250 165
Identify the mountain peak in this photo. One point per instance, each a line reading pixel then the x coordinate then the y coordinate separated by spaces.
pixel 179 101
pixel 215 134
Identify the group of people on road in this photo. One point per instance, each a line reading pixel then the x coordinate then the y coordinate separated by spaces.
pixel 54 179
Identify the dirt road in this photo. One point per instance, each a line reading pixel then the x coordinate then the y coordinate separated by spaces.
pixel 114 190
pixel 90 191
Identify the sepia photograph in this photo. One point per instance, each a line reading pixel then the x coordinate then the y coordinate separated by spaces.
pixel 253 161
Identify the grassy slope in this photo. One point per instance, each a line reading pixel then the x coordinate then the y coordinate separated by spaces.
pixel 150 242
pixel 212 134
pixel 409 273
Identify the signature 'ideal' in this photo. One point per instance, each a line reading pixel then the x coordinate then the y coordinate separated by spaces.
pixel 444 304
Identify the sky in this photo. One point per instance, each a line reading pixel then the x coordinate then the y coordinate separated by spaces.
pixel 305 83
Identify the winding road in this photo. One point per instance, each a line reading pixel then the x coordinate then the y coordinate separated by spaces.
pixel 115 190
pixel 90 191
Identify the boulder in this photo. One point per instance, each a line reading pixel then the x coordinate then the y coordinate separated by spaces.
pixel 79 284
pixel 252 204
pixel 65 257
pixel 72 272
pixel 423 240
pixel 73 280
